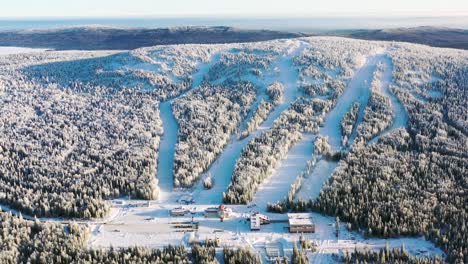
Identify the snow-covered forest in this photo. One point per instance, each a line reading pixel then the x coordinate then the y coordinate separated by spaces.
pixel 63 152
pixel 413 181
pixel 382 131
pixel 207 117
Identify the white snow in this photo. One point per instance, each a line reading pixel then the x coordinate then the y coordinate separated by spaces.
pixel 18 50
pixel 221 170
pixel 165 173
pixel 313 183
pixel 167 149
pixel 277 186
pixel 152 227
pixel 148 223
pixel 400 116
pixel 358 89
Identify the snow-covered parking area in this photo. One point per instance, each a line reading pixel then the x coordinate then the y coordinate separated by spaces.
pixel 138 223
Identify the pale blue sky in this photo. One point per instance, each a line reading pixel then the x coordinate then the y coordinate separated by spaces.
pixel 64 8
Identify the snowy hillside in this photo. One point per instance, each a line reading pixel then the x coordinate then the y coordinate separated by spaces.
pixel 374 133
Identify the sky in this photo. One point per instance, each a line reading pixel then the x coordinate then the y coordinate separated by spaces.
pixel 268 8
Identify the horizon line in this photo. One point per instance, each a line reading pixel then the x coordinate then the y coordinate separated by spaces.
pixel 242 16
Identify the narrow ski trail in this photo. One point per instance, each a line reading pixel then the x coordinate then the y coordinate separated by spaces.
pixel 276 187
pixel 165 169
pixel 358 89
pixel 222 169
pixel 400 115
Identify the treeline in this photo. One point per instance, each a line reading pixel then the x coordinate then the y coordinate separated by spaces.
pixel 240 256
pixel 207 118
pixel 290 202
pixel 264 108
pixel 275 92
pixel 23 241
pixel 236 63
pixel 261 156
pixel 378 113
pixel 348 122
pixel 257 161
pixel 387 255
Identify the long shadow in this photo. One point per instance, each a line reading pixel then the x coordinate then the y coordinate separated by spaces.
pixel 86 71
pixel 111 73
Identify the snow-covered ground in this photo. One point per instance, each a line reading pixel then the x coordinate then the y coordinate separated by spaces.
pixel 18 50
pixel 152 226
pixel 400 116
pixel 165 169
pixel 277 186
pixel 148 223
pixel 313 183
pixel 167 149
pixel 221 170
pixel 358 89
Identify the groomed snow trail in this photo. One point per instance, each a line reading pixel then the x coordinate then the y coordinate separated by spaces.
pixel 222 169
pixel 313 183
pixel 165 169
pixel 276 187
pixel 167 149
pixel 358 89
pixel 400 116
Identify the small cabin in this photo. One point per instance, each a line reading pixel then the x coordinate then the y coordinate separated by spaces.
pixel 178 211
pixel 301 223
pixel 255 222
pixel 264 220
pixel 212 212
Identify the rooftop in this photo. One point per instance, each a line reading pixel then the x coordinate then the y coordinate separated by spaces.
pixel 300 219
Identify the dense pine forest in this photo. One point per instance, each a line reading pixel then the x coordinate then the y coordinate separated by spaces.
pixel 81 133
pixel 413 181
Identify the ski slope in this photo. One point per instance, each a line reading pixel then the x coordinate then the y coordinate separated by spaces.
pixel 222 169
pixel 166 149
pixel 276 187
pixel 165 169
pixel 152 226
pixel 399 113
pixel 358 89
